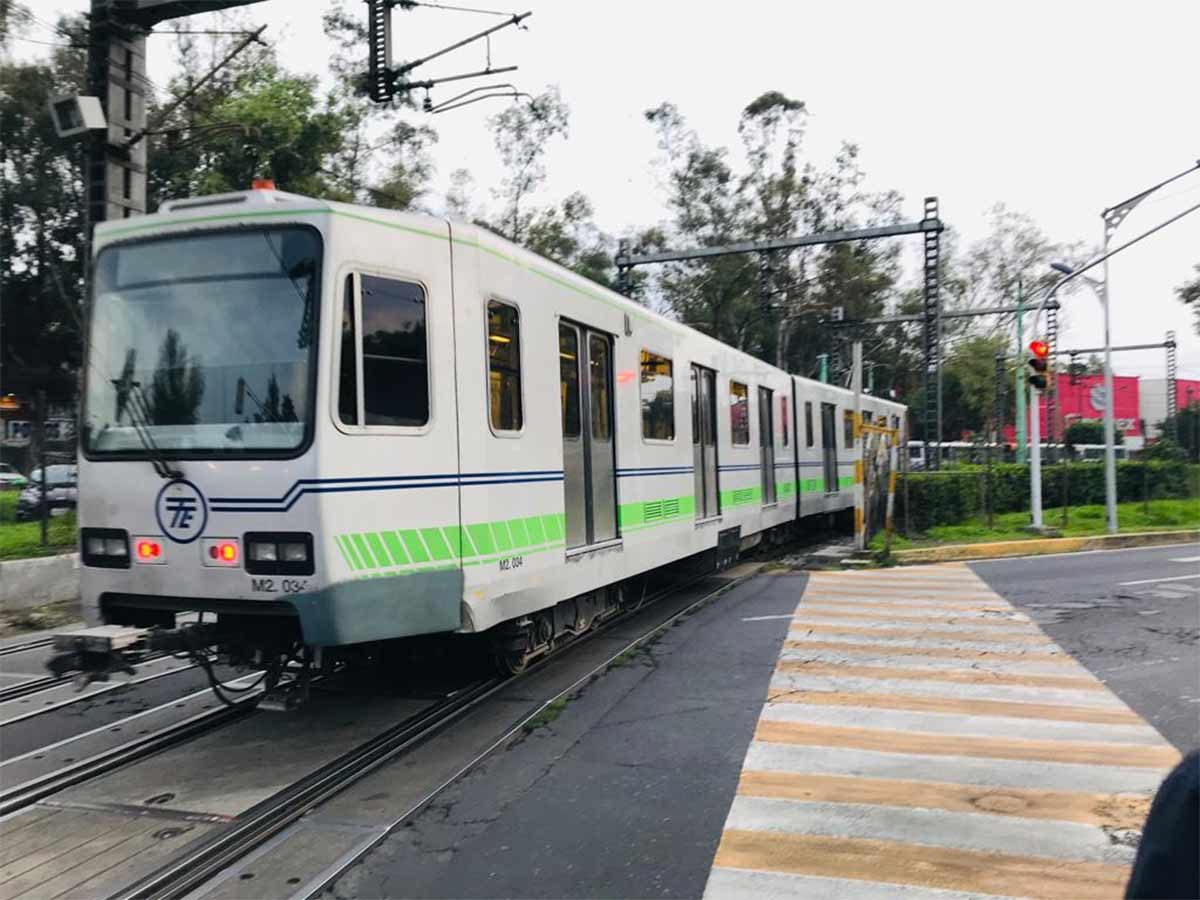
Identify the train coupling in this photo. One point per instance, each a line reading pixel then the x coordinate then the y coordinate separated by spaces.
pixel 93 654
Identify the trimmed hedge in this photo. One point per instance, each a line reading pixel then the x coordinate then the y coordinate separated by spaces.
pixel 955 495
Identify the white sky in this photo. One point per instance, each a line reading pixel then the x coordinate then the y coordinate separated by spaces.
pixel 1058 109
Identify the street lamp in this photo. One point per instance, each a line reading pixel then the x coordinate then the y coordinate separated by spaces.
pixel 1110 453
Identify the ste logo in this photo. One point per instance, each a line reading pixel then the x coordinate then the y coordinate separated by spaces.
pixel 181 511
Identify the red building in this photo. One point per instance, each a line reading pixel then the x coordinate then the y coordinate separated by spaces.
pixel 1084 399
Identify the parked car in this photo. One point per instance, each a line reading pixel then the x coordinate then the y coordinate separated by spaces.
pixel 10 477
pixel 62 492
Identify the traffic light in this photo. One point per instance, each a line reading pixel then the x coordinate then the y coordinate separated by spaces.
pixel 1038 362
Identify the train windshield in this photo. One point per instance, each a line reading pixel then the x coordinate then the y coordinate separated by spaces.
pixel 203 344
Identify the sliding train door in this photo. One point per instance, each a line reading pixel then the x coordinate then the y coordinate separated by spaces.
pixel 589 441
pixel 704 441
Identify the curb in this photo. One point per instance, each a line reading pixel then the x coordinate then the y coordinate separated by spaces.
pixel 1040 546
pixel 38 580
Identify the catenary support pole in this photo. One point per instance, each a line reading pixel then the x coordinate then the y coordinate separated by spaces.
pixel 860 521
pixel 1020 375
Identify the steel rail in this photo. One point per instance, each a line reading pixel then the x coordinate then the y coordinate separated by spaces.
pixel 35 644
pixel 50 683
pixel 195 867
pixel 30 792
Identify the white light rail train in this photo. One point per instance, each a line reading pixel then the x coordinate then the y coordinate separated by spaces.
pixel 311 427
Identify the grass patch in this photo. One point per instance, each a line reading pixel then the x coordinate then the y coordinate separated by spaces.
pixel 19 540
pixel 1082 521
pixel 547 715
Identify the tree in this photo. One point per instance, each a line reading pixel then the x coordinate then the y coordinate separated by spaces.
pixel 1186 426
pixel 41 224
pixel 521 133
pixel 1189 295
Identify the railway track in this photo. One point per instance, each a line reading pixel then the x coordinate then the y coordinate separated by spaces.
pixel 191 870
pixel 199 864
pixel 35 644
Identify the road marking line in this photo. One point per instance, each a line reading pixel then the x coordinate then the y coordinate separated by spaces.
pixel 888 618
pixel 1109 810
pixel 927 744
pixel 939 867
pixel 1085 682
pixel 962 706
pixel 922 613
pixel 949 829
pixel 1159 580
pixel 768 618
pixel 998 637
pixel 937 652
pixel 1184 559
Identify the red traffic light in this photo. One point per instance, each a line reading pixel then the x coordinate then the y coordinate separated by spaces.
pixel 1040 349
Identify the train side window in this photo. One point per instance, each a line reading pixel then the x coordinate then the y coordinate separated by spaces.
pixel 348 374
pixel 783 418
pixel 395 357
pixel 808 424
pixel 598 379
pixel 658 397
pixel 504 366
pixel 848 428
pixel 896 422
pixel 739 413
pixel 568 375
pixel 695 407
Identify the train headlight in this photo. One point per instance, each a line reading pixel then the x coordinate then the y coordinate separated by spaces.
pixel 104 548
pixel 279 553
pixel 264 552
pixel 295 553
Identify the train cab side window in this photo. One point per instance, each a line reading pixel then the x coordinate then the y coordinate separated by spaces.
pixel 848 428
pixel 783 419
pixel 504 366
pixel 658 397
pixel 896 422
pixel 395 356
pixel 808 424
pixel 348 375
pixel 739 413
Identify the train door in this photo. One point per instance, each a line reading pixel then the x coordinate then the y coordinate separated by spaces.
pixel 589 445
pixel 829 446
pixel 704 441
pixel 766 443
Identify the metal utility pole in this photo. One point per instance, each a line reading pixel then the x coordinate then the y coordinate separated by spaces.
pixel 1035 459
pixel 856 384
pixel 1113 217
pixel 1172 388
pixel 1021 419
pixel 1070 275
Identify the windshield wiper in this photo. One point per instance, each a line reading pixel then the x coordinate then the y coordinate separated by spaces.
pixel 138 409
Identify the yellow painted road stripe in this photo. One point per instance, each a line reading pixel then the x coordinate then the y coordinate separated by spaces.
pixel 954 676
pixel 921 744
pixel 938 652
pixel 939 867
pixel 997 637
pixel 1052 711
pixel 1104 810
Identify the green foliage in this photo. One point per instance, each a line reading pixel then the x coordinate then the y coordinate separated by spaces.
pixel 956 495
pixel 1185 425
pixel 1088 431
pixel 1189 295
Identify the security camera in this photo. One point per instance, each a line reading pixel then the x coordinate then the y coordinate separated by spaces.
pixel 74 115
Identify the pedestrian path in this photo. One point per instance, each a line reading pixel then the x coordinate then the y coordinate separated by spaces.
pixel 923 738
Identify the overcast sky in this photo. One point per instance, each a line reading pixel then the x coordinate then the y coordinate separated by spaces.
pixel 1057 109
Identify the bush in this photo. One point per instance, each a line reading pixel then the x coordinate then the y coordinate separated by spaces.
pixel 953 496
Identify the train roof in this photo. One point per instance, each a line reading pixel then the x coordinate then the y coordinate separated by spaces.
pixel 259 204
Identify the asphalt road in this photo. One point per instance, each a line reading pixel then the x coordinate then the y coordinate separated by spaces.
pixel 1131 616
pixel 623 794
